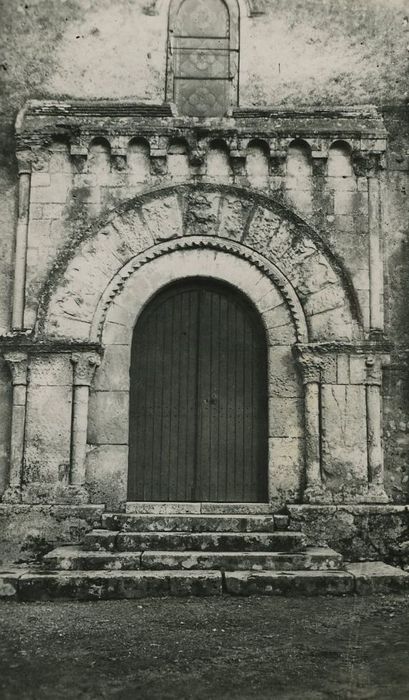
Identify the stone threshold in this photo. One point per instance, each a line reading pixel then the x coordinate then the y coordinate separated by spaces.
pixel 196 508
pixel 364 578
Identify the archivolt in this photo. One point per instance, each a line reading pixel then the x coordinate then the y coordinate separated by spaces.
pixel 196 242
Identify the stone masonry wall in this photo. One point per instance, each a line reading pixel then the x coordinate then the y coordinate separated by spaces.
pixel 338 52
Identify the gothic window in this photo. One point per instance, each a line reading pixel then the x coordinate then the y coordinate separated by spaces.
pixel 203 48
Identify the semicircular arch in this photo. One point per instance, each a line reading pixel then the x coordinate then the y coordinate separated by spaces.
pixel 244 223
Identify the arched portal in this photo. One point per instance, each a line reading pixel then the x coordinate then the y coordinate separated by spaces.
pixel 198 397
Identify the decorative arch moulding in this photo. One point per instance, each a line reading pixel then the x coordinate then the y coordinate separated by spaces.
pixel 269 270
pixel 262 232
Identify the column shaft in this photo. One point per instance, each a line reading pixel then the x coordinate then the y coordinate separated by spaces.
pixel 375 262
pixel 21 251
pixel 312 435
pixel 79 435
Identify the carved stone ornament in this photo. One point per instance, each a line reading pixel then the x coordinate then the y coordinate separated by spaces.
pixel 18 364
pixel 85 365
pixel 373 366
pixel 311 367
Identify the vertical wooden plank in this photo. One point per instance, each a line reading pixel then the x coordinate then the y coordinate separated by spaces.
pixel 198 408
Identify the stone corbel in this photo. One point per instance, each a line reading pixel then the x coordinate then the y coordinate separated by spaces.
pixel 79 156
pixel 277 163
pixel 84 365
pixel 18 364
pixel 159 162
pixel 197 161
pixel 238 164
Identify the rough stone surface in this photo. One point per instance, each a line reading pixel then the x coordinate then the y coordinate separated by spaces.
pixel 291 583
pixel 109 585
pixel 359 532
pixel 9 584
pixel 377 577
pixel 313 559
pixel 30 531
pixel 250 541
pixel 188 523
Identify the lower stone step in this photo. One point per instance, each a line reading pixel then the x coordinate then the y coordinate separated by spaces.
pixel 75 558
pixel 361 579
pixel 203 541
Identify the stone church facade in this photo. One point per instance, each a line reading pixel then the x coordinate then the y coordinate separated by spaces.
pixel 203 273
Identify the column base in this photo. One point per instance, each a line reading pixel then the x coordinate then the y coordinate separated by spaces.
pixel 377 494
pixel 316 494
pixel 37 492
pixel 370 493
pixel 12 495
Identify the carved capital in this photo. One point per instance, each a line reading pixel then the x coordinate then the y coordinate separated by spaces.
pixel 311 367
pixel 18 364
pixel 24 161
pixel 367 164
pixel 373 368
pixel 85 365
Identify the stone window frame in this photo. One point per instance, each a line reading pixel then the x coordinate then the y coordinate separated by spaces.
pixel 233 9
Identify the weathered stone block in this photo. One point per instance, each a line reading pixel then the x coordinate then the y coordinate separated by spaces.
pixel 282 373
pixel 375 577
pixel 9 584
pixel 163 218
pixel 48 433
pixel 51 370
pixel 113 373
pixel 344 436
pixel 286 417
pixel 357 531
pixel 201 215
pixel 107 474
pixel 234 213
pixel 286 470
pixel 290 583
pixel 108 418
pixel 28 531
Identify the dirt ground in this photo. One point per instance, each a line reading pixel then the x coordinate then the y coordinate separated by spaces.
pixel 232 648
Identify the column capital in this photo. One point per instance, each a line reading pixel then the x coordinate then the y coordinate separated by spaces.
pixel 311 367
pixel 18 364
pixel 85 364
pixel 373 370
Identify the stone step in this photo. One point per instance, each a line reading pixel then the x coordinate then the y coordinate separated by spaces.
pixel 191 523
pixel 71 558
pixel 205 508
pixel 111 540
pixel 362 579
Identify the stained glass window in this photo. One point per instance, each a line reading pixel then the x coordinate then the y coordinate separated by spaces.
pixel 203 58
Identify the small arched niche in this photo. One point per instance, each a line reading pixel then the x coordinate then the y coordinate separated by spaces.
pixel 60 160
pixel 218 166
pixel 298 167
pixel 298 179
pixel 99 156
pixel 178 159
pixel 257 163
pixel 138 160
pixel 339 160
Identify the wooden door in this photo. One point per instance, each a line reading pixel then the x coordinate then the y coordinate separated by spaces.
pixel 198 398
